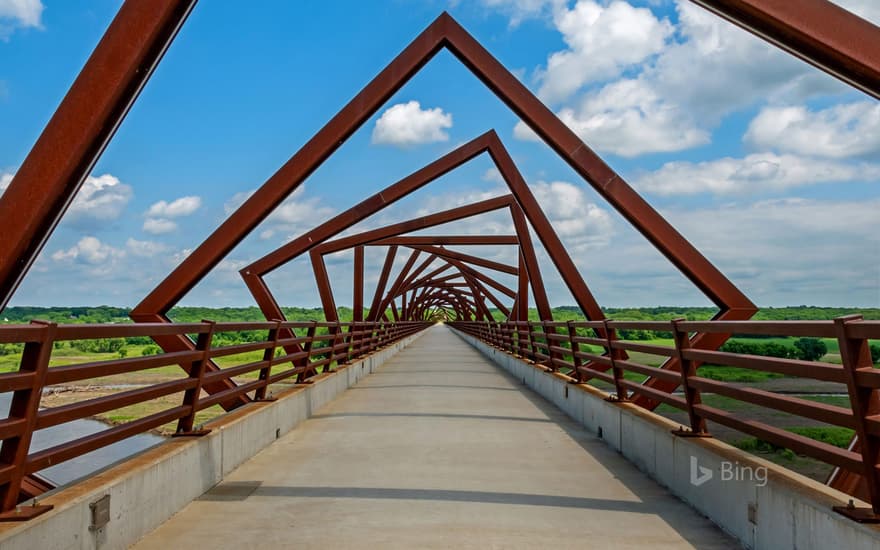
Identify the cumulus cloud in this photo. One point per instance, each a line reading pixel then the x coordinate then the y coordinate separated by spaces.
pixel 407 124
pixel 144 249
pixel 184 206
pixel 628 118
pixel 602 41
pixel 159 226
pixel 296 215
pixel 101 198
pixel 579 222
pixel 792 250
pixel 89 250
pixel 662 89
pixel 18 14
pixel 160 214
pixel 845 130
pixel 753 173
pixel 492 175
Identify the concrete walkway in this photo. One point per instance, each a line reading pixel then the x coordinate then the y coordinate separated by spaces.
pixel 438 449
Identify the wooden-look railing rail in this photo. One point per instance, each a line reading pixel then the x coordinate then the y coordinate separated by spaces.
pixel 589 350
pixel 322 346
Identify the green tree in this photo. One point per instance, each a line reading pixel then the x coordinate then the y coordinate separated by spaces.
pixel 810 349
pixel 875 353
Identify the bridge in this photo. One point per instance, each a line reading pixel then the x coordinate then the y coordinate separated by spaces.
pixel 439 448
pixel 444 413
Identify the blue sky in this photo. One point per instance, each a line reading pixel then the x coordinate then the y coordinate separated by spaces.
pixel 768 166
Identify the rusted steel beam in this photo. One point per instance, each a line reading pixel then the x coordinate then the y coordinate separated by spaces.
pixel 817 31
pixel 475 260
pixel 290 176
pixel 438 240
pixel 325 290
pixel 358 291
pixel 527 252
pixel 433 274
pixel 374 312
pixel 483 291
pixel 431 281
pixel 416 224
pixel 173 343
pixel 477 274
pixel 76 135
pixel 865 402
pixel 395 287
pixel 592 168
pixel 25 404
pixel 418 270
pixel 522 296
pixel 470 281
pixel 444 31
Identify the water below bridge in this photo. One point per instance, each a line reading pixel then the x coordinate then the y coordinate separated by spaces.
pixel 439 448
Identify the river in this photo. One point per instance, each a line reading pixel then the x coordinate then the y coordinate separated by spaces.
pixel 88 463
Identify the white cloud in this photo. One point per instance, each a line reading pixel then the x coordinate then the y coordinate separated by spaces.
pixel 89 250
pixel 602 41
pixel 296 215
pixel 407 124
pixel 16 14
pixel 628 118
pixel 753 173
pixel 792 251
pixel 144 249
pixel 840 131
pixel 674 87
pixel 184 206
pixel 100 198
pixel 492 175
pixel 160 214
pixel 579 222
pixel 159 226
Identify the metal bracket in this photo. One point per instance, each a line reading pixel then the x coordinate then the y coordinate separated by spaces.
pixel 860 515
pixel 683 432
pixel 192 433
pixel 25 513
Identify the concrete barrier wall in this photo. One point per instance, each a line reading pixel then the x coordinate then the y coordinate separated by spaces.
pixel 787 510
pixel 149 488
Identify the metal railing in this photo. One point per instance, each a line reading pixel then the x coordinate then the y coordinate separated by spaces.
pixel 320 345
pixel 570 349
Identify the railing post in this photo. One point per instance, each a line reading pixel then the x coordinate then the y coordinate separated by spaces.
pixel 25 405
pixel 531 333
pixel 268 357
pixel 575 349
pixel 310 340
pixel 855 355
pixel 621 395
pixel 196 372
pixel 553 355
pixel 350 348
pixel 691 394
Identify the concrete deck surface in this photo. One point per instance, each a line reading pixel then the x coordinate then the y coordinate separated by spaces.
pixel 438 449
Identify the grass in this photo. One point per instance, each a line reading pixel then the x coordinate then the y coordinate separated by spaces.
pixel 832 435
